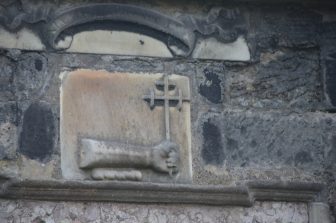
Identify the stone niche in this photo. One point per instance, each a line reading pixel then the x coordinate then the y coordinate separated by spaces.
pixel 125 126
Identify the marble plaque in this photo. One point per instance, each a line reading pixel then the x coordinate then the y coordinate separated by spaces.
pixel 125 126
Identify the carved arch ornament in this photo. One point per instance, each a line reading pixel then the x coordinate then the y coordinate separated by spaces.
pixel 51 21
pixel 120 13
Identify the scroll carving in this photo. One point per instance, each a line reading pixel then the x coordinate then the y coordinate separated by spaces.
pixel 51 21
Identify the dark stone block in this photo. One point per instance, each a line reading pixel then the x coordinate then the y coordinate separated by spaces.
pixel 270 139
pixel 38 132
pixel 283 79
pixel 287 26
pixel 211 89
pixel 212 151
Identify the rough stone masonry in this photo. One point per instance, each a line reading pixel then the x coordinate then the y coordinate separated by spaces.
pixel 262 81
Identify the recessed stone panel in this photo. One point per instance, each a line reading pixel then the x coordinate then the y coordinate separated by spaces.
pixel 125 126
pixel 115 42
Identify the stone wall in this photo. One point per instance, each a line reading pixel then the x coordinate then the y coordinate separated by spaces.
pixel 262 114
pixel 66 212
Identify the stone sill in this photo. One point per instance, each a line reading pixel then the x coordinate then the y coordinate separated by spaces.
pixel 135 192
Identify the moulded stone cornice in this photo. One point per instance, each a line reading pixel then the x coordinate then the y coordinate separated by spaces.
pixel 241 195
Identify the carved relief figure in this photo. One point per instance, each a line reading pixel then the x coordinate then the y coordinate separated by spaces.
pixel 101 154
pixel 164 157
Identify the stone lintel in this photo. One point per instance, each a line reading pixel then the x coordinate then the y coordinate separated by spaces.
pixel 243 195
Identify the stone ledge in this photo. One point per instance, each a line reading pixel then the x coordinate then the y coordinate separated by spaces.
pixel 284 191
pixel 243 195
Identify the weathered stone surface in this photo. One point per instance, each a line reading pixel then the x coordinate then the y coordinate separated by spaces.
pixel 101 111
pixel 37 170
pixel 284 79
pixel 8 130
pixel 291 54
pixel 117 42
pixel 110 63
pixel 8 140
pixel 37 137
pixel 331 78
pixel 271 139
pixel 212 150
pixel 286 26
pixel 266 145
pixel 328 60
pixel 214 50
pixel 31 76
pixel 7 69
pixel 51 212
pixel 8 112
pixel 224 74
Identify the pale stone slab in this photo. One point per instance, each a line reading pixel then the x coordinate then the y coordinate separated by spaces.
pixel 117 42
pixel 213 49
pixel 106 212
pixel 101 112
pixel 22 39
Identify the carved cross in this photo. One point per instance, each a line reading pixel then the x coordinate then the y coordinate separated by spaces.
pixel 166 98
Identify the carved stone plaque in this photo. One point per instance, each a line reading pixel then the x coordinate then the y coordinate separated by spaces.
pixel 125 126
